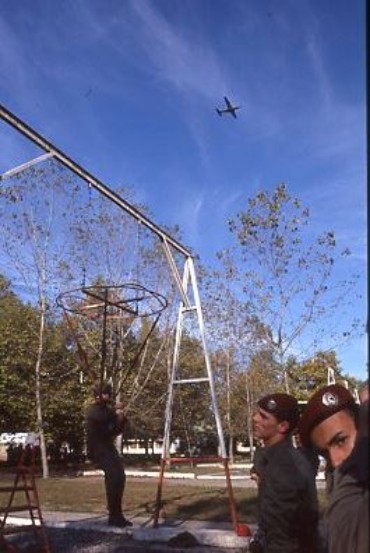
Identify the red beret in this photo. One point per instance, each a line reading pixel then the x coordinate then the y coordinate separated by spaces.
pixel 283 406
pixel 323 404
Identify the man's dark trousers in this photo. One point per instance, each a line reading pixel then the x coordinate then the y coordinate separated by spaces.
pixel 111 463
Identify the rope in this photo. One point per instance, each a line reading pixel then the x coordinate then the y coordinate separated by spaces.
pixel 81 353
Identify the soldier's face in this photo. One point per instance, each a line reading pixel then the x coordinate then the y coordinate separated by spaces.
pixel 106 398
pixel 266 427
pixel 335 437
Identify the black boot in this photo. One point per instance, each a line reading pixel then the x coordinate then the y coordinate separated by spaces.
pixel 119 521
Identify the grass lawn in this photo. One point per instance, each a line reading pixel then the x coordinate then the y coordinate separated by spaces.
pixel 179 500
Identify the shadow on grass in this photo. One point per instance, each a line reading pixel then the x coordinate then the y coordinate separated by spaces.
pixel 216 508
pixel 211 504
pixel 179 500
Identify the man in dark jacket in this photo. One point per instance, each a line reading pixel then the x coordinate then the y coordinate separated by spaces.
pixel 334 423
pixel 104 423
pixel 287 499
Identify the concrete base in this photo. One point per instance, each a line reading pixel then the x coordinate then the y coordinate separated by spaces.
pixel 206 533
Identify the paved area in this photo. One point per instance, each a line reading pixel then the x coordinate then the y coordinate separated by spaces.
pixel 176 535
pixel 90 533
pixel 239 477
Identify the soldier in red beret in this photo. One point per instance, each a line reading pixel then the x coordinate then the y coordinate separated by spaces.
pixel 339 428
pixel 287 498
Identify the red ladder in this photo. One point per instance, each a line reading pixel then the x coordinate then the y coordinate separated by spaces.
pixel 25 482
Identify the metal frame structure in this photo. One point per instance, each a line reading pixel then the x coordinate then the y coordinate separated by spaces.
pixel 24 481
pixel 188 280
pixel 110 302
pixel 186 309
pixel 332 380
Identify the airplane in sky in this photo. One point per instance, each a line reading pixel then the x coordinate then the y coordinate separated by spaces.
pixel 229 108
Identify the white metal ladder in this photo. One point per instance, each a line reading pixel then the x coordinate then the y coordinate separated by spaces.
pixel 187 307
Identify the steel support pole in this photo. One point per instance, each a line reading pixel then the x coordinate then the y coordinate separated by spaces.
pixel 170 395
pixel 189 278
pixel 207 359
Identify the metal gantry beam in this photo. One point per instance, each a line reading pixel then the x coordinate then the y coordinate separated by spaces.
pixel 66 161
pixel 24 166
pixel 186 305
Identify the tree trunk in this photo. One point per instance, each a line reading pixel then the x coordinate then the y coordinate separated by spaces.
pixel 40 425
pixel 228 412
pixel 249 420
pixel 284 372
pixel 231 449
pixel 286 382
pixel 119 444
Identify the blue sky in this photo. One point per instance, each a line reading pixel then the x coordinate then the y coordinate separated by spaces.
pixel 128 88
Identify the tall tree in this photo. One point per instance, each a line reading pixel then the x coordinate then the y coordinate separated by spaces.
pixel 289 279
pixel 236 334
pixel 34 208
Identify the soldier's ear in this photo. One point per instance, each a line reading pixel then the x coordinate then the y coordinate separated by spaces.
pixel 284 427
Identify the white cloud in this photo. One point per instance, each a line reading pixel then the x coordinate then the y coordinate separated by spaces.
pixel 186 62
pixel 316 60
pixel 188 213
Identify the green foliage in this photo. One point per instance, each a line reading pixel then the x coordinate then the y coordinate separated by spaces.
pixel 307 376
pixel 64 398
pixel 270 289
pixel 17 354
pixel 192 413
pixel 61 393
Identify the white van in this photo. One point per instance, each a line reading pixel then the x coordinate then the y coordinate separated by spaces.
pixel 19 438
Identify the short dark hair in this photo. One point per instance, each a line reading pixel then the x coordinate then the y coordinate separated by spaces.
pixel 102 387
